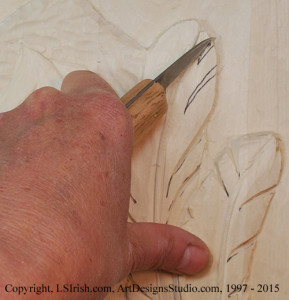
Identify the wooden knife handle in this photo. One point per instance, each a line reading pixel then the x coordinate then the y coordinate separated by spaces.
pixel 147 109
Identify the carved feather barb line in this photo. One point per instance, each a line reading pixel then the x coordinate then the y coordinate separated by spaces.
pixel 224 200
pixel 200 85
pixel 178 140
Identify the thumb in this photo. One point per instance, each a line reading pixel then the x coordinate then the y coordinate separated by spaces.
pixel 169 248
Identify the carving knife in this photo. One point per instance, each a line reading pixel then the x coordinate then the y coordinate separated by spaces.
pixel 147 102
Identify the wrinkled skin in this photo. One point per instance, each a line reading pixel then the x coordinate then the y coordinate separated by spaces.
pixel 64 192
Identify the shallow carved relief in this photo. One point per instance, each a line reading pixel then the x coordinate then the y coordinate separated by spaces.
pixel 223 199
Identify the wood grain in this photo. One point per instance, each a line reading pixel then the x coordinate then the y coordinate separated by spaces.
pixel 241 134
pixel 147 109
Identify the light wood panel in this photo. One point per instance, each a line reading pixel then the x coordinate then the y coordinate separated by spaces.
pixel 237 146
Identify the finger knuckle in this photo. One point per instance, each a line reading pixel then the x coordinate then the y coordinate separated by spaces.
pixel 109 114
pixel 43 94
pixel 137 255
pixel 41 101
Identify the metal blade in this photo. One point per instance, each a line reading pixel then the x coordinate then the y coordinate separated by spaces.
pixel 173 71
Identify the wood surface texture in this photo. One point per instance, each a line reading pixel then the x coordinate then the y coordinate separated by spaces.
pixel 147 109
pixel 217 163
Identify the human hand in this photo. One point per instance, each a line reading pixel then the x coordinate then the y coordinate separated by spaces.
pixel 64 194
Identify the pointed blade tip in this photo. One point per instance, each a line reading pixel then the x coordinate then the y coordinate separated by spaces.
pixel 209 40
pixel 173 71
